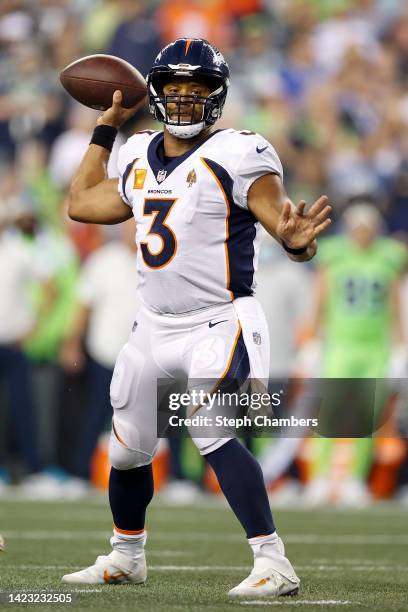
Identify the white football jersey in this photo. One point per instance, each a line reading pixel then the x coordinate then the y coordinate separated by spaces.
pixel 197 241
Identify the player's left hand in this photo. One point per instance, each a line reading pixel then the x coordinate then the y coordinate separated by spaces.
pixel 298 228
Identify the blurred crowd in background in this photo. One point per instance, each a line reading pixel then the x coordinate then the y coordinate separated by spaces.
pixel 325 82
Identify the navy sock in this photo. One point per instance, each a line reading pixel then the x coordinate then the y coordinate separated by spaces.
pixel 241 480
pixel 130 492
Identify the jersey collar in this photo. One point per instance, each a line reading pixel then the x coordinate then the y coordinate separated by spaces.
pixel 155 156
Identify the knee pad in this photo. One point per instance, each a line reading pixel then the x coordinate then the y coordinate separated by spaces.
pixel 123 458
pixel 126 377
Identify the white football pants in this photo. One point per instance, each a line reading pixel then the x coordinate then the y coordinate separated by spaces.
pixel 211 344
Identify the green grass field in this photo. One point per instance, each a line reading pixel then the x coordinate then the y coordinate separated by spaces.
pixel 348 560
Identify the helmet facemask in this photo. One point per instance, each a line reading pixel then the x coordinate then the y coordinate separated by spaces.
pixel 185 120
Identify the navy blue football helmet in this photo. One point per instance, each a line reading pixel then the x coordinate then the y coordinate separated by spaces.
pixel 191 57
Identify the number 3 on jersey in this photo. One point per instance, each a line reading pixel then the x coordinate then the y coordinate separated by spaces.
pixel 160 208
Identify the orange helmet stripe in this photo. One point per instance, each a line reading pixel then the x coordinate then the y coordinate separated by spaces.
pixel 188 43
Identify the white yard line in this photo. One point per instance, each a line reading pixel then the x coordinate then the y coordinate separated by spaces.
pixel 42 567
pixel 299 602
pixel 198 568
pixel 209 503
pixel 346 539
pixel 93 515
pixel 39 534
pixel 354 568
pixel 217 568
pixel 71 590
pixel 347 561
pixel 359 539
pixel 153 568
pixel 153 553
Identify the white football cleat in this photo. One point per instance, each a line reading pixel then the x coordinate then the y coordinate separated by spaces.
pixel 114 568
pixel 272 576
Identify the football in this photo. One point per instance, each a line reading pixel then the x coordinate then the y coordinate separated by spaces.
pixel 2 543
pixel 92 81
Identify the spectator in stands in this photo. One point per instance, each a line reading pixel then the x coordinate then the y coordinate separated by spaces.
pixel 324 81
pixel 209 19
pixel 51 247
pixel 18 321
pixel 106 310
pixel 136 38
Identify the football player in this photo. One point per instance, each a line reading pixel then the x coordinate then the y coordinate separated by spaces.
pixel 358 316
pixel 199 197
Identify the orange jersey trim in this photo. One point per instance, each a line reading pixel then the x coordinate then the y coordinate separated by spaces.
pixel 129 175
pixel 226 226
pixel 119 439
pixel 127 531
pixel 224 374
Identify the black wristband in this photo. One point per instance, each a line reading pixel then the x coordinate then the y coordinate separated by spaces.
pixel 104 136
pixel 294 251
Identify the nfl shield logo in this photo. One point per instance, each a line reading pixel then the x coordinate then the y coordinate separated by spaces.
pixel 161 175
pixel 256 337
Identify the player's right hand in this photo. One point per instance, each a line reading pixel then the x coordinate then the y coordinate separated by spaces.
pixel 116 115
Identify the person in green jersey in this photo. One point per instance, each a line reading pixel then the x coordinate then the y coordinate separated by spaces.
pixel 357 315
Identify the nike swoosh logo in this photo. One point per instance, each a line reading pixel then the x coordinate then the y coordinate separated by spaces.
pixel 216 323
pixel 116 577
pixel 262 582
pixel 258 150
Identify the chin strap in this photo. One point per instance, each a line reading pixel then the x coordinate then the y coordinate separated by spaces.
pixel 185 131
